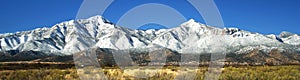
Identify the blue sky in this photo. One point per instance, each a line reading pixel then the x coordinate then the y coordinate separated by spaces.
pixel 263 16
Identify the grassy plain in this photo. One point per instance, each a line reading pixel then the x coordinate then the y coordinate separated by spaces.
pixel 57 72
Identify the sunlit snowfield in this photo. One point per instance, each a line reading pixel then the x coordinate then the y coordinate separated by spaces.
pixel 291 72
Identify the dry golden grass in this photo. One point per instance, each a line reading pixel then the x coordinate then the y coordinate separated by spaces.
pixel 167 73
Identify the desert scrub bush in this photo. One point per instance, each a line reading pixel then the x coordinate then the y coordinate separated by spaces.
pixel 262 73
pixel 39 74
pixel 167 73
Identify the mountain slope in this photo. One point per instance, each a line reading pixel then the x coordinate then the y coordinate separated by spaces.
pixel 73 36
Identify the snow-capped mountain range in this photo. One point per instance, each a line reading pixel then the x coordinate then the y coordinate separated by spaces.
pixel 73 36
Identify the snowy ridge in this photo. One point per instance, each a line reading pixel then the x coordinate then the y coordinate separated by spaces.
pixel 77 35
pixel 290 38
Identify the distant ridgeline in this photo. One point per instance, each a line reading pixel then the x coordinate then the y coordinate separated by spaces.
pixel 105 57
pixel 60 42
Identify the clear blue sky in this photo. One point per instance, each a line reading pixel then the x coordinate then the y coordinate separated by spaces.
pixel 263 16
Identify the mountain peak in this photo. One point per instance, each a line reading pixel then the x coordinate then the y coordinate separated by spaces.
pixel 97 18
pixel 191 21
pixel 193 24
pixel 285 34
